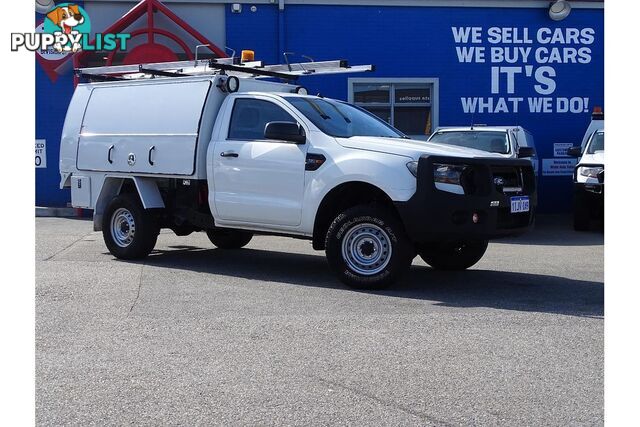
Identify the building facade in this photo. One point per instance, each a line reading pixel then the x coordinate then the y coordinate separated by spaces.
pixel 438 63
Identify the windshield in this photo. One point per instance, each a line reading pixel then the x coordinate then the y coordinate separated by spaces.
pixel 597 143
pixel 494 142
pixel 342 120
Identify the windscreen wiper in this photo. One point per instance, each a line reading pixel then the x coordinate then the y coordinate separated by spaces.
pixel 346 119
pixel 318 109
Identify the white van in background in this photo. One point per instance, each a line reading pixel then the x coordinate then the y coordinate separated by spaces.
pixel 597 123
pixel 511 142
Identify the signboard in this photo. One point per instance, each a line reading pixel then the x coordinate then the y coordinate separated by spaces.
pixel 412 95
pixel 558 167
pixel 560 149
pixel 41 153
pixel 526 67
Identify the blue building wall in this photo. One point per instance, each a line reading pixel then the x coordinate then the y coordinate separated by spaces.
pixel 419 42
pixel 52 100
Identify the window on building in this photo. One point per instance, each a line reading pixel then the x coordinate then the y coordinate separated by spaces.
pixel 406 105
pixel 250 117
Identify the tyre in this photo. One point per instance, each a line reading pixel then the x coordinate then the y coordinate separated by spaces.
pixel 129 231
pixel 229 239
pixel 581 214
pixel 454 255
pixel 367 247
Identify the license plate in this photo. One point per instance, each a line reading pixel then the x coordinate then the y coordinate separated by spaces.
pixel 520 204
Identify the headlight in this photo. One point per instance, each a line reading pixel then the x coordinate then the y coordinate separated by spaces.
pixel 447 174
pixel 590 172
pixel 413 168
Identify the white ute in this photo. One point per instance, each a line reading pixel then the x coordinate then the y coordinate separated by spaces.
pixel 511 142
pixel 217 146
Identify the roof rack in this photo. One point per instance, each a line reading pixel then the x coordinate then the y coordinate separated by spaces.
pixel 220 66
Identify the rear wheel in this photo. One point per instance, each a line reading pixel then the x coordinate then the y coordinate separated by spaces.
pixel 458 255
pixel 229 239
pixel 129 231
pixel 367 247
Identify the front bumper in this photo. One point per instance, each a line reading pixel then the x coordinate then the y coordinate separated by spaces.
pixel 596 191
pixel 433 215
pixel 589 195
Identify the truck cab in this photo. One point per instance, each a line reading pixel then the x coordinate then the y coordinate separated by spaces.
pixel 221 150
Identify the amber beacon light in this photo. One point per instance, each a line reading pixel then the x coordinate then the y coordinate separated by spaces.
pixel 247 56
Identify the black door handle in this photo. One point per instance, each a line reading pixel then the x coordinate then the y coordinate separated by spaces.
pixel 109 154
pixel 153 147
pixel 228 154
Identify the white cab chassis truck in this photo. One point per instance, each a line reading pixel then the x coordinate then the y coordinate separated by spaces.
pixel 217 147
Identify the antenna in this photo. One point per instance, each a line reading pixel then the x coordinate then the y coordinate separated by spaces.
pixel 286 59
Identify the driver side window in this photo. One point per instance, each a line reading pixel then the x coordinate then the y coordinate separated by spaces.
pixel 250 116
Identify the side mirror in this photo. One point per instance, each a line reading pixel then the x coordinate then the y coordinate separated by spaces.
pixel 574 151
pixel 526 152
pixel 285 131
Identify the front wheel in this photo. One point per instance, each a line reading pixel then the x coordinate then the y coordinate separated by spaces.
pixel 367 247
pixel 129 231
pixel 229 239
pixel 454 255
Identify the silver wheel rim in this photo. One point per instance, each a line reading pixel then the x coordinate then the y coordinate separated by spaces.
pixel 123 227
pixel 366 248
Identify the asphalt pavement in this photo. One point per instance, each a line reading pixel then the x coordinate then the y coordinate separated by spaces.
pixel 266 335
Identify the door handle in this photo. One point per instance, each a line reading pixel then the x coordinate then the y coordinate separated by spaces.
pixel 228 154
pixel 109 154
pixel 153 147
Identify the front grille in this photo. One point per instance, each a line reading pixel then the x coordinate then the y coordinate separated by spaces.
pixel 484 177
pixel 513 179
pixel 507 179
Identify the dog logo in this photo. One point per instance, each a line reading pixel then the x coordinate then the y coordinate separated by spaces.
pixel 70 20
pixel 66 17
